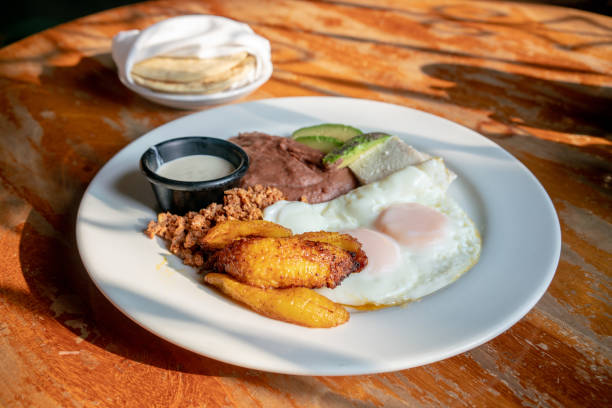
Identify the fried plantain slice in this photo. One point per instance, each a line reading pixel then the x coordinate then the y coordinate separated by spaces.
pixel 285 262
pixel 301 306
pixel 223 233
pixel 344 241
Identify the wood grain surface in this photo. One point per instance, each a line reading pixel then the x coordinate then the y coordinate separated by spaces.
pixel 535 79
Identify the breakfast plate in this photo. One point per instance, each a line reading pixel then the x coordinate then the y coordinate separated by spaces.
pixel 517 221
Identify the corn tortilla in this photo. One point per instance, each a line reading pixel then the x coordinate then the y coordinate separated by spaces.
pixel 187 69
pixel 210 84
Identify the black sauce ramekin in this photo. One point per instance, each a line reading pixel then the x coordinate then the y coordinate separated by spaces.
pixel 179 197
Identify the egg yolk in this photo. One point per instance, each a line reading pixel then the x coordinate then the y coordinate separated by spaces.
pixel 383 253
pixel 412 224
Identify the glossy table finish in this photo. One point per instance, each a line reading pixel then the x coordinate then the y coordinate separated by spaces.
pixel 535 79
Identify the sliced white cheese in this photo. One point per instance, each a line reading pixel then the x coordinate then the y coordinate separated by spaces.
pixel 385 159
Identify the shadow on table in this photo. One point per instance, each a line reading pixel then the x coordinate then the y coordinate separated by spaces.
pixel 91 84
pixel 524 100
pixel 94 80
pixel 63 277
pixel 512 99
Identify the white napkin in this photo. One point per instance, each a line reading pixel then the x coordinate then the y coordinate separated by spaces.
pixel 202 36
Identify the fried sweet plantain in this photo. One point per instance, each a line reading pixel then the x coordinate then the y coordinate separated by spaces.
pixel 224 233
pixel 300 306
pixel 344 241
pixel 285 262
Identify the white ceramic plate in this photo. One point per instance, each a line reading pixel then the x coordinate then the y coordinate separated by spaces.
pixel 519 227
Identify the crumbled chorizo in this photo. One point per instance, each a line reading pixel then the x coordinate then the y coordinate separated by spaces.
pixel 183 232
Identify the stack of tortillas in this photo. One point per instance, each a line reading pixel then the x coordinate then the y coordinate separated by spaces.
pixel 194 75
pixel 191 55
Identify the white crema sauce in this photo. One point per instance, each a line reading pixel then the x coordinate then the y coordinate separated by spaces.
pixel 199 167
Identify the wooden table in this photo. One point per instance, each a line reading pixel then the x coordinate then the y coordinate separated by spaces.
pixel 535 79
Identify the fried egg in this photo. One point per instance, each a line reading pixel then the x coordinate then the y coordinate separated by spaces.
pixel 417 239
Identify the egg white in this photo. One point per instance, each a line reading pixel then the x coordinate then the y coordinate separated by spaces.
pixel 419 271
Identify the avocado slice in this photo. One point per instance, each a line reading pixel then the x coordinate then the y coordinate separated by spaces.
pixel 353 148
pixel 335 130
pixel 324 144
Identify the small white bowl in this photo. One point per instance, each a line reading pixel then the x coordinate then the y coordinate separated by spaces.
pixel 185 36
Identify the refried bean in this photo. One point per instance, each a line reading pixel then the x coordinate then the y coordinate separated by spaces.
pixel 293 168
